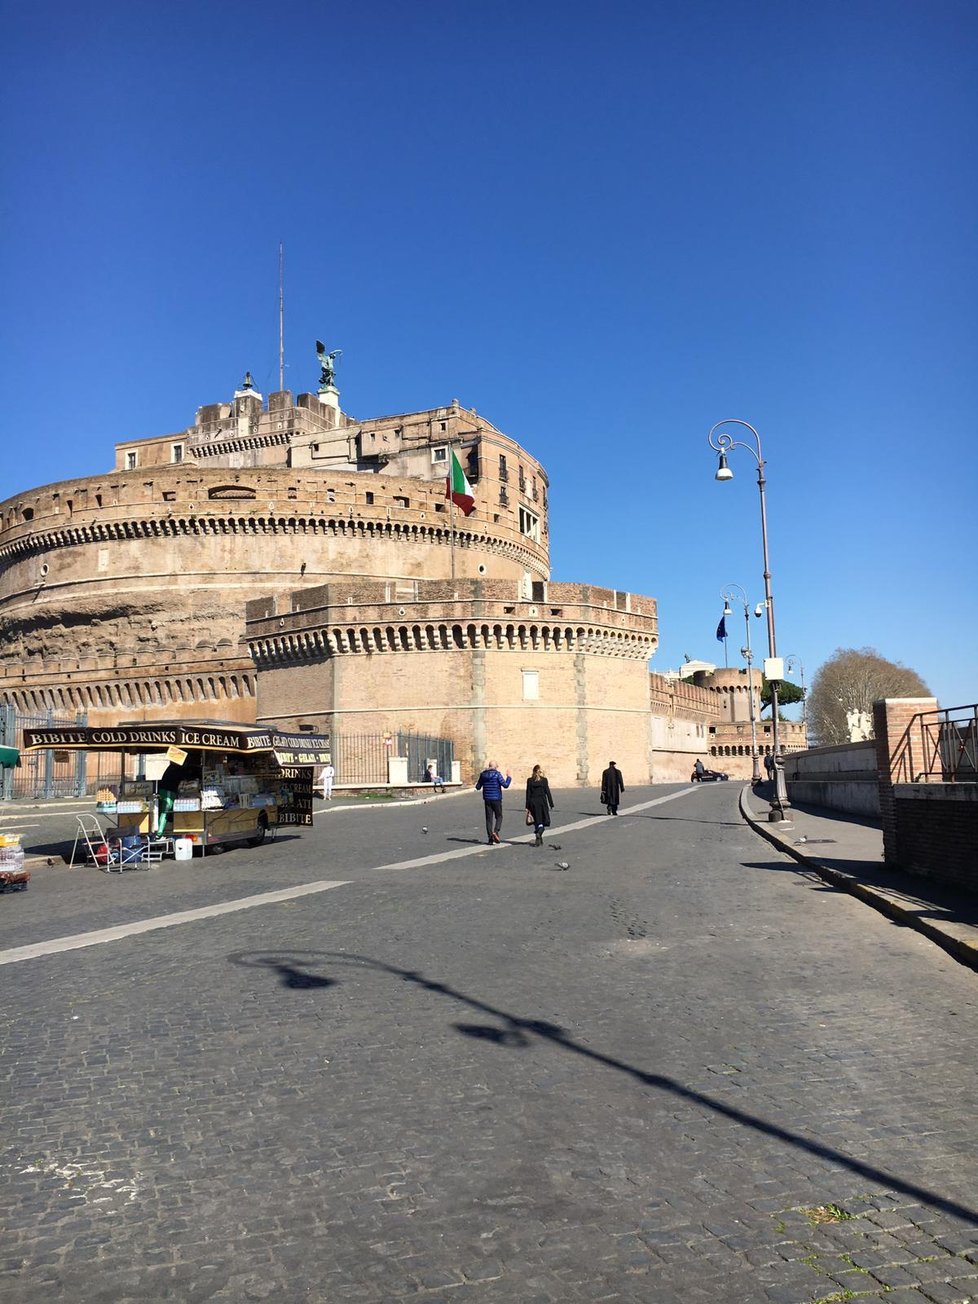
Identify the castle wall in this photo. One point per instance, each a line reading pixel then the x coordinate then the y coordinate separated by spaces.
pixel 159 560
pixel 560 681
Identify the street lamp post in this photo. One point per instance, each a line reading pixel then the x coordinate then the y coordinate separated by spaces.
pixel 729 596
pixel 721 442
pixel 789 663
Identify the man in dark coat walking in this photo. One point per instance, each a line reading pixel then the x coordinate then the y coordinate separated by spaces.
pixel 612 786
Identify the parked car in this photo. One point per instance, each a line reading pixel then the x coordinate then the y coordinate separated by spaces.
pixel 709 776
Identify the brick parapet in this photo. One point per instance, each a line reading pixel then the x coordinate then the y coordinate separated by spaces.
pixel 893 720
pixel 679 698
pixel 169 502
pixel 447 616
pixel 128 687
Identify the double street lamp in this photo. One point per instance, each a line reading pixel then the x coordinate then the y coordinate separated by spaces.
pixel 736 593
pixel 722 442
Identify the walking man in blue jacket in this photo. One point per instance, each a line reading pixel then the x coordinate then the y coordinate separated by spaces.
pixel 492 783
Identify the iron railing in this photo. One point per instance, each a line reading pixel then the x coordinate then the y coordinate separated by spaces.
pixel 422 751
pixel 48 773
pixel 945 745
pixel 360 760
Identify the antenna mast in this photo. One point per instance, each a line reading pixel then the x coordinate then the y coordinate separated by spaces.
pixel 281 316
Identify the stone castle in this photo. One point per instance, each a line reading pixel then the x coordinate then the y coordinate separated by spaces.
pixel 285 562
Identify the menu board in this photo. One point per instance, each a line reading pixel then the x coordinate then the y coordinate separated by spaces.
pixel 295 799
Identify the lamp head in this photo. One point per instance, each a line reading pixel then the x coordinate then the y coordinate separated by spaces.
pixel 727 609
pixel 723 471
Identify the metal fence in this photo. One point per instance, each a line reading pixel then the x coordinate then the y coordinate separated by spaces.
pixel 360 760
pixel 949 744
pixel 422 751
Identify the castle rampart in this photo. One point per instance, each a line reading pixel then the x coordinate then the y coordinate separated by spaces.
pixel 559 676
pixel 191 526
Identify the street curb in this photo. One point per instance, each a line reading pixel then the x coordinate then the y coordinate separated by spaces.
pixel 965 952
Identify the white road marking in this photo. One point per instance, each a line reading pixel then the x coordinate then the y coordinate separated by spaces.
pixel 117 933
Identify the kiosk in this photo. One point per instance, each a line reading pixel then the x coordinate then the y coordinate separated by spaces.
pixel 218 784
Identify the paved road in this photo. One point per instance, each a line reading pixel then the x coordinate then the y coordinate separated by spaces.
pixel 681 1069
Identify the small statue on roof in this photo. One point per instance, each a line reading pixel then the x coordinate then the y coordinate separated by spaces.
pixel 327 377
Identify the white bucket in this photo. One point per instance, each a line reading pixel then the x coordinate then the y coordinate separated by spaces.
pixel 183 849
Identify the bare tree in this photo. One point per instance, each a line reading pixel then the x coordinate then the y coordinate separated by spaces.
pixel 844 689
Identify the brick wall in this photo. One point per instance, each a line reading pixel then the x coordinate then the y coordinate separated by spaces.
pixel 929 827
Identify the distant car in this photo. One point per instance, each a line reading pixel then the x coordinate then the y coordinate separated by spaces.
pixel 709 776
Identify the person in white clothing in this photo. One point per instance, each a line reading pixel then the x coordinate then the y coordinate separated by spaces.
pixel 326 779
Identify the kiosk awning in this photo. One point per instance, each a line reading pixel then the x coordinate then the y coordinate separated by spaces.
pixel 9 757
pixel 288 749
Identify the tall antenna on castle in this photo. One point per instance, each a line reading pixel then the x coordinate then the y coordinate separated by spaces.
pixel 281 316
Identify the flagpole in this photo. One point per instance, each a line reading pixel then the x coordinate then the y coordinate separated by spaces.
pixel 451 500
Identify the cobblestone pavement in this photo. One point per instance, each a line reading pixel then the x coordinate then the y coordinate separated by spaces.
pixel 682 1069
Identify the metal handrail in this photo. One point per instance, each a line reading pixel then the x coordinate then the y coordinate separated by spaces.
pixel 948 740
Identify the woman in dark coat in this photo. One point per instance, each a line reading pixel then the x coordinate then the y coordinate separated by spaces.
pixel 539 802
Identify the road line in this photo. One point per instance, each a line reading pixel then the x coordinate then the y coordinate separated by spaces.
pixel 117 933
pixel 120 931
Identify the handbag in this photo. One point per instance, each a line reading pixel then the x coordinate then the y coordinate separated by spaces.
pixel 529 818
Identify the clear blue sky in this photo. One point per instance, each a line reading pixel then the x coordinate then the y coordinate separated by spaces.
pixel 606 227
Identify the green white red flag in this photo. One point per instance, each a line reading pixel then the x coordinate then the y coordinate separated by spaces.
pixel 458 488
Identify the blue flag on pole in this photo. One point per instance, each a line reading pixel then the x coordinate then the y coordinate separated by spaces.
pixel 722 629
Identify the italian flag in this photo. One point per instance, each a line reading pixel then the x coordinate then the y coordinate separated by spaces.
pixel 458 488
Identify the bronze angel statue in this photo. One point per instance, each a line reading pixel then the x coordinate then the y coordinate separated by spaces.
pixel 326 361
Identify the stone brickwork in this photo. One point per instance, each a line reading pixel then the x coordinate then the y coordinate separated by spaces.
pixel 930 827
pixel 843 777
pixel 124 594
pixel 558 680
pixel 289 562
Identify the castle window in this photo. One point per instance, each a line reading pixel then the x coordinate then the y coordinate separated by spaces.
pixel 369 498
pixel 176 452
pixel 503 473
pixel 331 495
pixel 503 496
pixel 531 685
pixel 440 454
pixel 131 461
pixel 444 425
pixel 522 481
pixel 529 525
pixel 28 513
pixel 400 501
